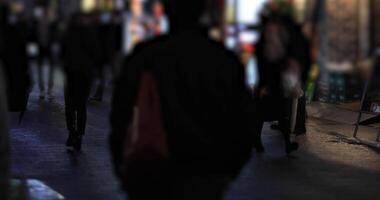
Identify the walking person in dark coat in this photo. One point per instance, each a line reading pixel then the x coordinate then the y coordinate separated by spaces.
pixel 14 57
pixel 280 48
pixel 79 57
pixel 206 109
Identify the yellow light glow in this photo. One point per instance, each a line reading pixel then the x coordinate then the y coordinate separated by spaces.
pixel 88 5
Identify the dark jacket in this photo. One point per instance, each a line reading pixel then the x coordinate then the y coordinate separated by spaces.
pixel 80 49
pixel 206 106
pixel 297 47
pixel 15 61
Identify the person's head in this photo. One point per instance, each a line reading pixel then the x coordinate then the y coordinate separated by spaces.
pixel 275 39
pixel 158 9
pixel 274 26
pixel 184 13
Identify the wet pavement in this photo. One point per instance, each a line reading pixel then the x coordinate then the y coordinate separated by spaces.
pixel 328 166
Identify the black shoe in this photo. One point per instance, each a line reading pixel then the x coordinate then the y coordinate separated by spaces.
pixel 291 147
pixel 70 143
pixel 78 143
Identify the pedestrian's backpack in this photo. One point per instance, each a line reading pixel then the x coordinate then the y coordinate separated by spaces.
pixel 146 143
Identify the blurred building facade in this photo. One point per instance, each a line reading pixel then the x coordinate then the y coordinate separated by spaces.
pixel 343 33
pixel 345 42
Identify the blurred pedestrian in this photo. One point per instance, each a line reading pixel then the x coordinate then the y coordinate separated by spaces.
pixel 283 59
pixel 80 55
pixel 159 23
pixel 44 32
pixel 135 28
pixel 107 39
pixel 14 57
pixel 206 112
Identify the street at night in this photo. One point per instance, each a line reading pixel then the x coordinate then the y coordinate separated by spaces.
pixel 327 166
pixel 189 100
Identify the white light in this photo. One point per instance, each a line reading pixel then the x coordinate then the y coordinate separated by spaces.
pixel 249 37
pixel 249 11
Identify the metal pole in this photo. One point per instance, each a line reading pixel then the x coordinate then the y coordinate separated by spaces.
pixel 361 109
pixel 357 124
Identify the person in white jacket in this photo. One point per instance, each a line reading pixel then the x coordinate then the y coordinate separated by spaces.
pixel 4 141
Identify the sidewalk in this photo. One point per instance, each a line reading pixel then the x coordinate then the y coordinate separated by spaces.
pixel 327 166
pixel 342 119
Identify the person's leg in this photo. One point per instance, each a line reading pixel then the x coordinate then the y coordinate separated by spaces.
pixel 71 113
pixel 40 75
pixel 98 96
pixel 285 128
pixel 82 94
pixel 83 88
pixel 300 128
pixel 285 125
pixel 51 65
pixel 258 144
pixel 81 118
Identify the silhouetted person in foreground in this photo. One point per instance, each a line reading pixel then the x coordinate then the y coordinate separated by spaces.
pixel 281 50
pixel 14 58
pixel 79 58
pixel 206 111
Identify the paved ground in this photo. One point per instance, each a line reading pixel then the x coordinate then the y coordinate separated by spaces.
pixel 327 167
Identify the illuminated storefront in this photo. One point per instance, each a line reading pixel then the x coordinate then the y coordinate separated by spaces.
pixel 243 27
pixel 242 20
pixel 142 20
